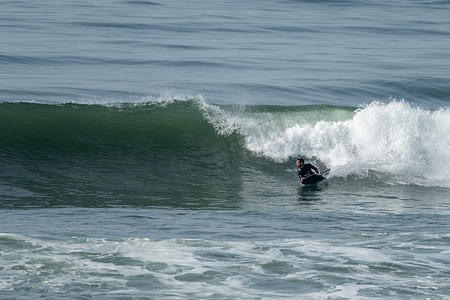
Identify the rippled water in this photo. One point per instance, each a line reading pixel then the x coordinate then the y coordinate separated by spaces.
pixel 146 149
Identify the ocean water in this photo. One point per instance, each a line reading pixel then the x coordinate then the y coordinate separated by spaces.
pixel 147 149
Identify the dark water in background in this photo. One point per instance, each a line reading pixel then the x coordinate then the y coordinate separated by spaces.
pixel 278 52
pixel 146 149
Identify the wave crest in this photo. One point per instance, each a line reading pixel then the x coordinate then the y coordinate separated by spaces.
pixel 394 138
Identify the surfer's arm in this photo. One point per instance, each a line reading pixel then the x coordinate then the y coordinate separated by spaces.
pixel 299 173
pixel 315 169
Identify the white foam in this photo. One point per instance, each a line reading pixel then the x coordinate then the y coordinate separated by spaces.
pixel 188 268
pixel 395 138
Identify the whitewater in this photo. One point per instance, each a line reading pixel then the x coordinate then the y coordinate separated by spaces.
pixel 394 138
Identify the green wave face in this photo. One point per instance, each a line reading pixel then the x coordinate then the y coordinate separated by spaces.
pixel 192 152
pixel 177 126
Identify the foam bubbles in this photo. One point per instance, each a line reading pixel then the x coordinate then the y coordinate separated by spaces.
pixel 395 138
pixel 193 268
pixel 399 139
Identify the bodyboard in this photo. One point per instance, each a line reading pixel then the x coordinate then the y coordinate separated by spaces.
pixel 315 178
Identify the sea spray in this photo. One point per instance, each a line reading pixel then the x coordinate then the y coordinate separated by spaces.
pixel 393 138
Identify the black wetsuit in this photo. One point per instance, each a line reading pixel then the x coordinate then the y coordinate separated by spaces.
pixel 306 170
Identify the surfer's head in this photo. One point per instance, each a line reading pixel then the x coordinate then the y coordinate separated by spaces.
pixel 300 162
